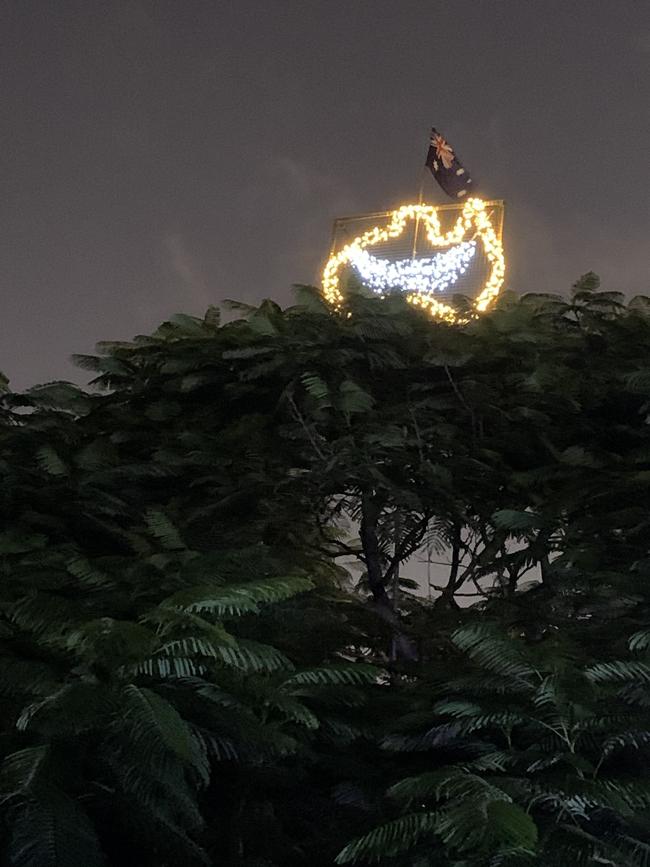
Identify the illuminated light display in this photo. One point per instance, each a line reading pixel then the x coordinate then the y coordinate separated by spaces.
pixel 414 275
pixel 422 279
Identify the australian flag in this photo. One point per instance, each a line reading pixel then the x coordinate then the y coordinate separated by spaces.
pixel 454 179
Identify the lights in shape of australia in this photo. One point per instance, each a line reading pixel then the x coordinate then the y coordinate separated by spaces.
pixel 424 280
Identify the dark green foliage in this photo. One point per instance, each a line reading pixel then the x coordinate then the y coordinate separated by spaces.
pixel 189 676
pixel 525 757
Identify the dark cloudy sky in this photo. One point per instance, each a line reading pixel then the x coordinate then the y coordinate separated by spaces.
pixel 158 156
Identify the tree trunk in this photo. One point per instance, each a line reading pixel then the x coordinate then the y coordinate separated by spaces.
pixel 401 647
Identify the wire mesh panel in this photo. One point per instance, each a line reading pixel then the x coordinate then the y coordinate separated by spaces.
pixel 429 252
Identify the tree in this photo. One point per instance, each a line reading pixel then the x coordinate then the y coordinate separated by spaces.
pixel 191 675
pixel 140 648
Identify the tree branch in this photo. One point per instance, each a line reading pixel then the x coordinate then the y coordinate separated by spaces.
pixel 305 427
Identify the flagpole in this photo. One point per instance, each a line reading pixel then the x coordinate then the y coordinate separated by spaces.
pixel 417 219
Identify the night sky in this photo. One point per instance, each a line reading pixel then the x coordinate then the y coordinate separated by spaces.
pixel 159 156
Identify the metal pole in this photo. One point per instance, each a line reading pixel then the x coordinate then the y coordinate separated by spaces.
pixel 417 219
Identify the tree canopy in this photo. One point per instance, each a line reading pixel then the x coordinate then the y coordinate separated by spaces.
pixel 215 647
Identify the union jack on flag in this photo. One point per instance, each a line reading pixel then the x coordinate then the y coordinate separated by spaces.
pixel 446 168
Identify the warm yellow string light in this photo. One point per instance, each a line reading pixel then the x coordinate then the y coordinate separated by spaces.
pixel 473 215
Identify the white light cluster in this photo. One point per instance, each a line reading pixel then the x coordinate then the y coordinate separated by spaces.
pixel 423 276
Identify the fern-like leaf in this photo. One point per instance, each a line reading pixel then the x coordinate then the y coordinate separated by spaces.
pixel 626 671
pixel 147 715
pixel 333 675
pixel 162 528
pixel 21 771
pixel 53 833
pixel 237 599
pixel 252 656
pixel 388 839
pixel 50 461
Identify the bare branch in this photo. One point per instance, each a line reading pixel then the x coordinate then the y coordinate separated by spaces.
pixel 305 426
